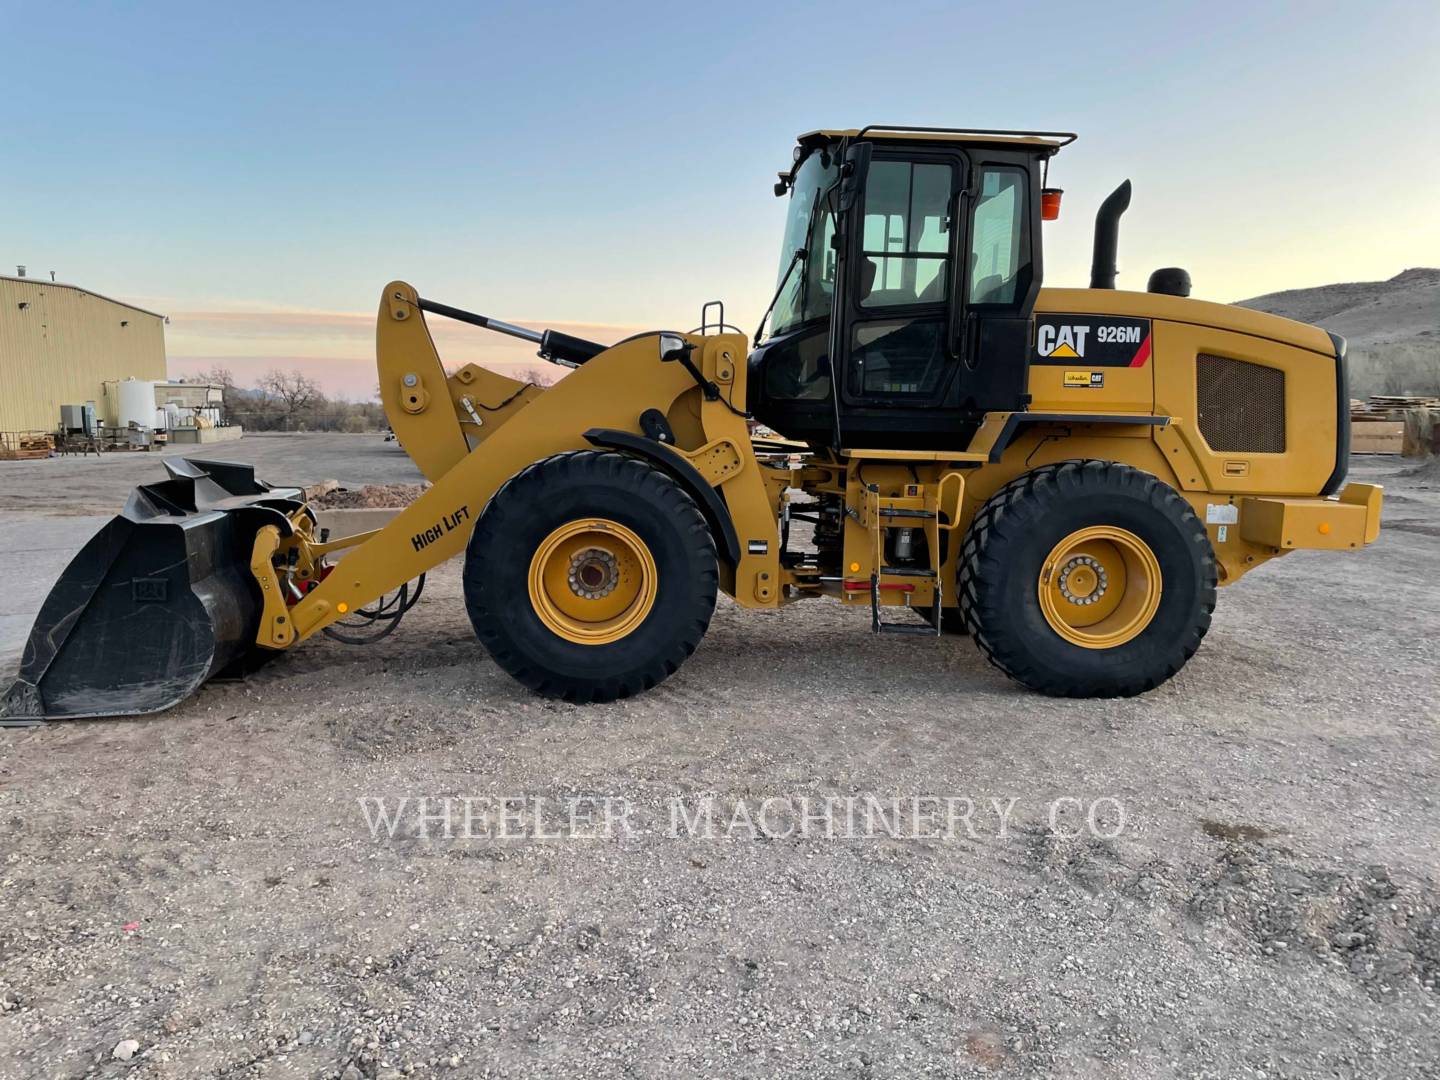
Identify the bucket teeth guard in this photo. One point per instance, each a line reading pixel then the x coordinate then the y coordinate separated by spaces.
pixel 157 602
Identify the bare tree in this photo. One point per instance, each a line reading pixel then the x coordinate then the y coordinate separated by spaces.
pixel 282 400
pixel 215 376
pixel 545 376
pixel 293 393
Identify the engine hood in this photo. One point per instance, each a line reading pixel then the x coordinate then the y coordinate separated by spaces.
pixel 1180 309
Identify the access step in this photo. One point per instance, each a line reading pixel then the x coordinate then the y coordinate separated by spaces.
pixel 881 627
pixel 906 628
pixel 898 511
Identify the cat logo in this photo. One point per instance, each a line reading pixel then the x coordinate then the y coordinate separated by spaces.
pixel 1061 341
pixel 1098 341
pixel 1084 380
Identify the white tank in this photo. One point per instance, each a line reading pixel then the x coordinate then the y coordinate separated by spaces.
pixel 135 403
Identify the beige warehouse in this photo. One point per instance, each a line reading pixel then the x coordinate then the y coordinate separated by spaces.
pixel 61 345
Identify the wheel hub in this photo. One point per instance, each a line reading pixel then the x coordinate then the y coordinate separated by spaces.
pixel 1083 580
pixel 594 573
pixel 592 581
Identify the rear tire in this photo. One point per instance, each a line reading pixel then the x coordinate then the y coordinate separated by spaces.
pixel 590 576
pixel 1087 579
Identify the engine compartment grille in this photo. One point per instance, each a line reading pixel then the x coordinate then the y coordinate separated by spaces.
pixel 1241 405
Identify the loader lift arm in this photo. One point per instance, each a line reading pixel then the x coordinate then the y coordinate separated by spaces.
pixel 596 404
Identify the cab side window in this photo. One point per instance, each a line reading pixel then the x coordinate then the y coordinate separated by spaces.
pixel 998 268
pixel 905 242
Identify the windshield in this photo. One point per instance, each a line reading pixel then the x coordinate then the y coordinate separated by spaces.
pixel 808 291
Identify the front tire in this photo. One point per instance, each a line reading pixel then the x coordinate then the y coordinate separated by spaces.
pixel 1087 579
pixel 590 576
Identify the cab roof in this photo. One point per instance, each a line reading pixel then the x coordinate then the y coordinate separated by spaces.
pixel 1048 142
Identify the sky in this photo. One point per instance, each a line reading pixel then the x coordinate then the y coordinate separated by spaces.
pixel 258 172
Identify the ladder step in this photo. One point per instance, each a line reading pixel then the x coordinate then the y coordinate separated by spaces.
pixel 906 628
pixel 906 571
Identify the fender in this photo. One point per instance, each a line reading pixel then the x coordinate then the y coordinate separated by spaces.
pixel 717 515
pixel 1015 420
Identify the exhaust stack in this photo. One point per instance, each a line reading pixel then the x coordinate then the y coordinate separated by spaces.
pixel 1107 237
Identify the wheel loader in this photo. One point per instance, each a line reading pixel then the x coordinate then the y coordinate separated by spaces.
pixel 918 429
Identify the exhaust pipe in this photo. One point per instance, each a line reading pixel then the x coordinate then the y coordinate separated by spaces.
pixel 1107 237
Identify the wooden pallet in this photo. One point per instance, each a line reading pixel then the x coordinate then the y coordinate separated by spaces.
pixel 1403 401
pixel 25 445
pixel 1377 437
pixel 1390 406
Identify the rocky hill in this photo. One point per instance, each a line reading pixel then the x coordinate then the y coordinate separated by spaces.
pixel 1393 327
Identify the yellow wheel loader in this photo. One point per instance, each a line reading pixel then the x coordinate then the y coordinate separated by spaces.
pixel 1065 475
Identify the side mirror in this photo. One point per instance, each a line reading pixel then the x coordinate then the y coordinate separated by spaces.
pixel 852 174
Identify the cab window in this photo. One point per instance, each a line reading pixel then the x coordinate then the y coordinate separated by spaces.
pixel 998 265
pixel 905 242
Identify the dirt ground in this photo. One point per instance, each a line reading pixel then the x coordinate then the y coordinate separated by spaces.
pixel 1258 895
pixel 90 485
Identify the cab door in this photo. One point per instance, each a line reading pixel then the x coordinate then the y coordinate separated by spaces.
pixel 897 329
pixel 999 284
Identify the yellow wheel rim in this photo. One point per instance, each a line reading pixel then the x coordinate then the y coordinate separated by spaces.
pixel 592 581
pixel 1100 587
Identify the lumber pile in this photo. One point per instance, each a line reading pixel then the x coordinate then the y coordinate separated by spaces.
pixel 1377 437
pixel 25 445
pixel 1389 406
pixel 1393 424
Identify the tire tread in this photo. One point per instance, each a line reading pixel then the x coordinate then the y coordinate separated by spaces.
pixel 1015 507
pixel 551 475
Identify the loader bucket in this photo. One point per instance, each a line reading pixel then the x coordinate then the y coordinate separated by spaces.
pixel 157 602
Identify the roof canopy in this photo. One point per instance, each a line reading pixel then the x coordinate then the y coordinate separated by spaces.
pixel 1047 141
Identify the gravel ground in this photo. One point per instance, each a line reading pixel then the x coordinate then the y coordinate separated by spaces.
pixel 1258 896
pixel 89 485
pixel 369 497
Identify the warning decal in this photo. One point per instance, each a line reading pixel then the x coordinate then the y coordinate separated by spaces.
pixel 1098 340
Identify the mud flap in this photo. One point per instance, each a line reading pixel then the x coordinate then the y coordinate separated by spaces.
pixel 157 602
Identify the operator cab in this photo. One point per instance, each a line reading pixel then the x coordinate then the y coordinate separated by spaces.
pixel 912 256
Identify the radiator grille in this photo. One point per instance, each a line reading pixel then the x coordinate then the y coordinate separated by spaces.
pixel 1242 405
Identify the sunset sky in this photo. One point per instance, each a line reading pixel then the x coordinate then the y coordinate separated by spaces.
pixel 259 172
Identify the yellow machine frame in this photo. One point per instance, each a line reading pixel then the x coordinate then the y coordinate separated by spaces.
pixel 457 429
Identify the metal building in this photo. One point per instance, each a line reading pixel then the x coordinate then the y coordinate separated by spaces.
pixel 61 345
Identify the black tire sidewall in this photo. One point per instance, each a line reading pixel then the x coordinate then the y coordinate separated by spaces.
pixel 1008 575
pixel 552 494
